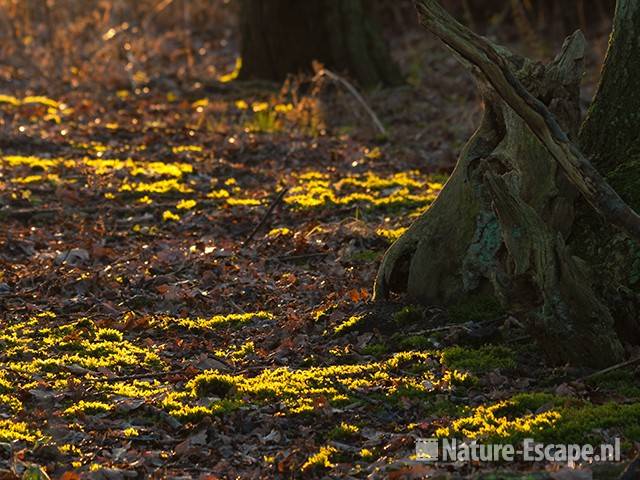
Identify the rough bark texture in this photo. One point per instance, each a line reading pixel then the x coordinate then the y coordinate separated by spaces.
pixel 502 224
pixel 281 37
pixel 611 132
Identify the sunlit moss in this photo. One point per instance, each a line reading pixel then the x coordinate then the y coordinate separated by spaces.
pixel 279 232
pixel 11 431
pixel 130 432
pixel 391 235
pixel 175 404
pixel 485 423
pixel 405 189
pixel 366 454
pixel 283 107
pixel 186 204
pixel 222 193
pixel 228 77
pixel 34 348
pixel 31 162
pixel 10 403
pixel 168 216
pixel 88 408
pixel 50 177
pixel 211 384
pixel 136 389
pixel 217 321
pixel 161 186
pixel 239 352
pixel 32 99
pixel 348 325
pixel 42 100
pixel 70 449
pixel 186 148
pixel 10 99
pixel 547 418
pixel 344 432
pixel 109 334
pixel 299 390
pixel 246 202
pixel 5 385
pixel 322 459
pixel 136 168
pixel 203 102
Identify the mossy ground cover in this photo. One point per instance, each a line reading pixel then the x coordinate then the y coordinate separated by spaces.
pixel 139 331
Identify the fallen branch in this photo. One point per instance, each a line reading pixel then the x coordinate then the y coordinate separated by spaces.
pixel 352 90
pixel 266 215
pixel 617 366
pixel 493 65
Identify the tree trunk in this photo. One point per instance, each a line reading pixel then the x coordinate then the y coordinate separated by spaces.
pixel 281 37
pixel 504 224
pixel 611 132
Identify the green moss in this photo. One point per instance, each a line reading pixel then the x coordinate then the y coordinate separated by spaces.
pixel 365 256
pixel 9 403
pixel 194 413
pixel 109 334
pixel 408 315
pixel 476 308
pixel 5 386
pixel 322 459
pixel 300 390
pixel 366 455
pixel 415 342
pixel 547 418
pixel 375 349
pixel 580 424
pixel 478 360
pixel 621 382
pixel 211 384
pixel 11 431
pixel 344 432
pixel 88 408
pixel 348 325
pixel 213 323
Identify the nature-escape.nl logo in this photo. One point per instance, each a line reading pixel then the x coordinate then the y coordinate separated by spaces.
pixel 452 450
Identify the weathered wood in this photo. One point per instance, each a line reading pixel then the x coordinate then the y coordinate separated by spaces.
pixel 483 55
pixel 502 224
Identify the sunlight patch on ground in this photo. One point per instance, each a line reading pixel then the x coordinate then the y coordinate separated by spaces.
pixel 407 189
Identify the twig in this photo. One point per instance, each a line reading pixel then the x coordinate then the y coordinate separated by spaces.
pixel 352 90
pixel 266 215
pixel 617 366
pixel 137 376
pixel 304 256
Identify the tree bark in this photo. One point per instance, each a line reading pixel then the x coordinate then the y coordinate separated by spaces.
pixel 281 37
pixel 611 132
pixel 503 224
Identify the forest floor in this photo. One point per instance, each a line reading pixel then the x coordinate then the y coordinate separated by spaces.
pixel 148 329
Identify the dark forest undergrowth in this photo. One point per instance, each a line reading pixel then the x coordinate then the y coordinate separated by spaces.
pixel 158 321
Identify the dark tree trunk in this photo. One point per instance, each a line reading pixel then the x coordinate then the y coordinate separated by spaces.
pixel 510 222
pixel 611 132
pixel 281 37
